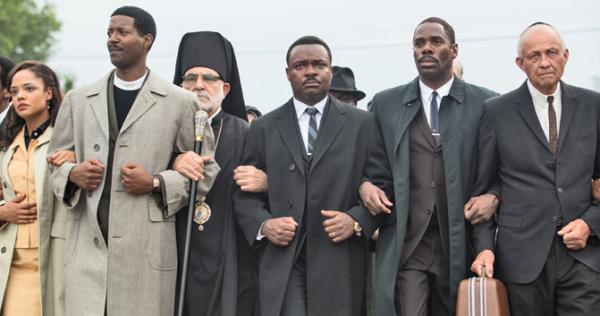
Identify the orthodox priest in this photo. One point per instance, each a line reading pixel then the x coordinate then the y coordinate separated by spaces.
pixel 222 268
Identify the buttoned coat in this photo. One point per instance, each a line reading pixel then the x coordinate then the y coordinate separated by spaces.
pixel 52 219
pixel 539 193
pixel 348 147
pixel 136 273
pixel 459 117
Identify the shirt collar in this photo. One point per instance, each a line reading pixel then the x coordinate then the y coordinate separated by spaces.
pixel 130 85
pixel 210 119
pixel 301 107
pixel 542 99
pixel 36 133
pixel 442 91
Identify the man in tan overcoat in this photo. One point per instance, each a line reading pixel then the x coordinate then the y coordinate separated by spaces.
pixel 120 249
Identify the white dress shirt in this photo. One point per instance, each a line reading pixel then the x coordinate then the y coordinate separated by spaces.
pixel 427 93
pixel 304 118
pixel 540 103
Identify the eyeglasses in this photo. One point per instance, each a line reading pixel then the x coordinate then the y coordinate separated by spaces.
pixel 208 78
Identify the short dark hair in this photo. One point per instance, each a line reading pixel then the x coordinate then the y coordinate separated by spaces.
pixel 5 66
pixel 307 40
pixel 15 123
pixel 142 20
pixel 447 27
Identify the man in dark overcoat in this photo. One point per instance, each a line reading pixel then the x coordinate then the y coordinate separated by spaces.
pixel 429 128
pixel 309 226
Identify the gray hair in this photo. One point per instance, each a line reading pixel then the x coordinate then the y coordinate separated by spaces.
pixel 520 42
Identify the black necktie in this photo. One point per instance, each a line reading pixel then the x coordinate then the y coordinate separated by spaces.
pixel 433 116
pixel 553 133
pixel 313 133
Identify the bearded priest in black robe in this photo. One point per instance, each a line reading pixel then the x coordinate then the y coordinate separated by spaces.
pixel 221 278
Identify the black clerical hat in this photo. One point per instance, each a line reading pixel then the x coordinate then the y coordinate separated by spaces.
pixel 343 81
pixel 212 50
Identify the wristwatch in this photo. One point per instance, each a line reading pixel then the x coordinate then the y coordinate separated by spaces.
pixel 155 184
pixel 357 229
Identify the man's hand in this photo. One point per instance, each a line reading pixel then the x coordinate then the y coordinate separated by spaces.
pixel 480 209
pixel 250 179
pixel 596 189
pixel 60 157
pixel 374 199
pixel 136 179
pixel 485 259
pixel 191 165
pixel 87 175
pixel 18 211
pixel 575 234
pixel 339 226
pixel 280 231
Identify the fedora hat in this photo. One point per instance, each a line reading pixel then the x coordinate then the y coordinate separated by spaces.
pixel 343 81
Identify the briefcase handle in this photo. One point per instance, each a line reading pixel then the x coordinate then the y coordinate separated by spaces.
pixel 483 274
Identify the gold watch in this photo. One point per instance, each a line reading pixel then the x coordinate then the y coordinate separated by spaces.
pixel 357 229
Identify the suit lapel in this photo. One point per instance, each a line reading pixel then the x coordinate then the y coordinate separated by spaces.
pixel 569 107
pixel 143 101
pixel 408 110
pixel 527 111
pixel 329 129
pixel 97 99
pixel 287 126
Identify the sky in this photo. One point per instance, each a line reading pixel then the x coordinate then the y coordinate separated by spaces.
pixel 372 37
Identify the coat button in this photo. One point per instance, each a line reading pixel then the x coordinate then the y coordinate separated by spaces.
pixel 96 241
pixel 560 190
pixel 4 185
pixel 96 147
pixel 292 167
pixel 432 184
pixel 3 250
pixel 289 204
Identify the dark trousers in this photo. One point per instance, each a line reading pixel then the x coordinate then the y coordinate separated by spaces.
pixel 294 303
pixel 423 282
pixel 565 287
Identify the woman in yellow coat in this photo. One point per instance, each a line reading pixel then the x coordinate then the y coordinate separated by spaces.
pixel 32 220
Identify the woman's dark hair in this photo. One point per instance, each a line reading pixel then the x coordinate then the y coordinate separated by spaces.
pixel 15 123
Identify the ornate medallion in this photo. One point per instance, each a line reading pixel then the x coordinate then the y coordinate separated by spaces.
pixel 201 214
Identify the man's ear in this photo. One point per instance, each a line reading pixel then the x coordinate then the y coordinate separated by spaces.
pixel 226 88
pixel 519 62
pixel 148 40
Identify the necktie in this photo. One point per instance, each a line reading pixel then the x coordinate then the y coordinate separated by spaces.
pixel 433 115
pixel 553 134
pixel 312 129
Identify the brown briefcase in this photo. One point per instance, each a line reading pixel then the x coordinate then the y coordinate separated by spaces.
pixel 482 297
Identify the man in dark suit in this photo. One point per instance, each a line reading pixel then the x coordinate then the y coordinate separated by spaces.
pixel 540 143
pixel 311 229
pixel 429 129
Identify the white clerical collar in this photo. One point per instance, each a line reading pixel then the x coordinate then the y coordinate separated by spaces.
pixel 213 116
pixel 129 85
pixel 301 106
pixel 540 98
pixel 442 91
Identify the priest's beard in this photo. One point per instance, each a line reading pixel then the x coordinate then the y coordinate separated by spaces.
pixel 210 104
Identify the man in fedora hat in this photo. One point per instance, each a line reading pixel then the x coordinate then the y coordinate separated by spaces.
pixel 343 86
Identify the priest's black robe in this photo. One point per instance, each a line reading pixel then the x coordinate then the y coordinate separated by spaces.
pixel 222 268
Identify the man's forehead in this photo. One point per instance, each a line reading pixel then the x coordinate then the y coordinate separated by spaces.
pixel 201 70
pixel 430 29
pixel 121 21
pixel 541 35
pixel 308 51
